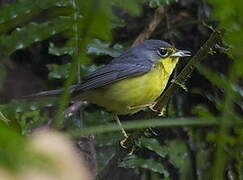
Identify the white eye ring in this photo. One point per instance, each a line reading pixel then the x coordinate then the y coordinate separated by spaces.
pixel 163 52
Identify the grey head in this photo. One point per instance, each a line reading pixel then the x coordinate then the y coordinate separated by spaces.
pixel 153 44
pixel 150 51
pixel 157 49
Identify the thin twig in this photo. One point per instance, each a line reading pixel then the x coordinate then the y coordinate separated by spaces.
pixel 74 108
pixel 158 16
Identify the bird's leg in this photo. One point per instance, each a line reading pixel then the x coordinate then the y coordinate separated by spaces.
pixel 123 131
pixel 151 107
pixel 142 106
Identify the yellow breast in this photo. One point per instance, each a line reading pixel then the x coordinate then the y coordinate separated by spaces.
pixel 120 96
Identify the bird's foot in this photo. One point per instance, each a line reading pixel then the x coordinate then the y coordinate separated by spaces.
pixel 132 150
pixel 159 112
pixel 122 142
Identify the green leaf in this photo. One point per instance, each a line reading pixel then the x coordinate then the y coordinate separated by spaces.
pixel 98 14
pixel 131 6
pixel 9 142
pixel 14 10
pixel 3 118
pixel 15 14
pixel 98 47
pixel 132 161
pixel 23 8
pixel 31 33
pixel 108 139
pixel 98 117
pixel 59 51
pixel 104 155
pixel 180 158
pixel 58 72
pixel 201 111
pixel 24 116
pixel 238 90
pixel 214 77
pixel 117 22
pixel 14 107
pixel 153 145
pixel 63 3
pixel 157 3
pixel 61 72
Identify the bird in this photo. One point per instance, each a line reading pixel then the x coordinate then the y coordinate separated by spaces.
pixel 130 82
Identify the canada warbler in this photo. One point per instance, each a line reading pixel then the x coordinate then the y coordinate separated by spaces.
pixel 131 81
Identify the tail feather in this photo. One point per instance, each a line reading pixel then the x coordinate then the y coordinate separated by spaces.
pixel 51 92
pixel 45 93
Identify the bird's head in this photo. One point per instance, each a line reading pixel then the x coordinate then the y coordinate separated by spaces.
pixel 158 52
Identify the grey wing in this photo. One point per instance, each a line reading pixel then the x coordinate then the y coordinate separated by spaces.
pixel 110 74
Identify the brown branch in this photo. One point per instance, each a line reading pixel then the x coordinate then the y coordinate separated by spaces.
pixel 163 100
pixel 74 108
pixel 149 29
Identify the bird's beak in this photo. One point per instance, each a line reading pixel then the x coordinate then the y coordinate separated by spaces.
pixel 181 53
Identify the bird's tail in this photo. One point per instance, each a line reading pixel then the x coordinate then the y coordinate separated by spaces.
pixel 55 92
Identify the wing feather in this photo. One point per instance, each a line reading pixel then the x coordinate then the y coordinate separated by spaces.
pixel 110 74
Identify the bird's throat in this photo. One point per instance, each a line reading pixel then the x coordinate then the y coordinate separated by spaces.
pixel 168 64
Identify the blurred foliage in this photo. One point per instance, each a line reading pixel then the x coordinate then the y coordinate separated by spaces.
pixel 101 48
pixel 133 161
pixel 61 72
pixel 153 145
pixel 83 35
pixel 66 16
pixel 175 150
pixel 10 141
pixel 41 162
pixel 228 14
pixel 157 3
pixel 2 76
pixel 24 117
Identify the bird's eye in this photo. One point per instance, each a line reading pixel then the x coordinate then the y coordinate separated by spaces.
pixel 163 52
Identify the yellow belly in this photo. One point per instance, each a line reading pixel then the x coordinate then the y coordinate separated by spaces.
pixel 120 96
